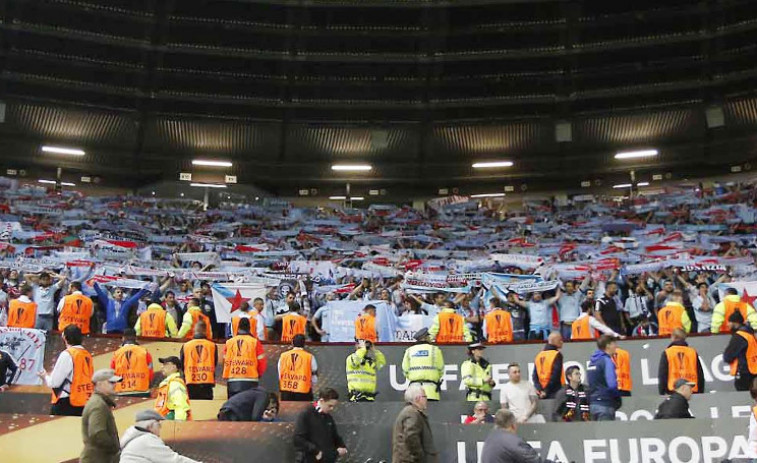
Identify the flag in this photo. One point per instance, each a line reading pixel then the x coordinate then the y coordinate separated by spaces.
pixel 227 298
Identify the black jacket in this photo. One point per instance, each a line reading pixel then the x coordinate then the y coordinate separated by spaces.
pixel 571 404
pixel 675 406
pixel 736 350
pixel 8 368
pixel 555 380
pixel 313 432
pixel 662 372
pixel 247 405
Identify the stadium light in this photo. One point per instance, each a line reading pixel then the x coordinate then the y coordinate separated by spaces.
pixel 488 195
pixel 52 182
pixel 209 163
pixel 352 167
pixel 342 198
pixel 636 154
pixel 642 184
pixel 491 165
pixel 622 185
pixel 208 185
pixel 62 150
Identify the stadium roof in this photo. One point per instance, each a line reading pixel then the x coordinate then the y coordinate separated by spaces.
pixel 418 89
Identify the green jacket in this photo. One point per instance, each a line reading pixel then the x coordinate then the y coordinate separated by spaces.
pixel 99 432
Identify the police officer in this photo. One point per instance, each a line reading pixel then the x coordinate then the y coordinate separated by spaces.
pixel 362 366
pixel 477 374
pixel 424 364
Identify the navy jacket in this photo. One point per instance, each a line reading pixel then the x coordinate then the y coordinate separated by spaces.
pixel 603 380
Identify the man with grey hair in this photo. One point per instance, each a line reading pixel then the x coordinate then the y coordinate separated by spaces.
pixel 141 443
pixel 412 441
pixel 504 446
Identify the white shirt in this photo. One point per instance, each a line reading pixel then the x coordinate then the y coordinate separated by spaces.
pixel 63 300
pixel 63 373
pixel 518 398
pixel 594 323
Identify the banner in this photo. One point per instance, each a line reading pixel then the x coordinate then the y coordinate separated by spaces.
pixel 523 261
pixel 27 347
pixel 228 298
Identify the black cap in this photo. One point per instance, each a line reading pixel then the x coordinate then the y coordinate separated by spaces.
pixel 736 317
pixel 172 359
pixel 420 334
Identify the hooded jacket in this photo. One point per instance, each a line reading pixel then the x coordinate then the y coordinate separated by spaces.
pixel 603 380
pixel 141 446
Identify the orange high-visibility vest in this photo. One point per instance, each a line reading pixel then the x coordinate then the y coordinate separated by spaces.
pixel 670 318
pixel 622 361
pixel 240 358
pixel 81 379
pixel 253 323
pixel 131 364
pixel 499 327
pixel 197 315
pixel 730 308
pixel 22 314
pixel 365 328
pixel 291 326
pixel 682 363
pixel 161 401
pixel 751 354
pixel 580 330
pixel 153 323
pixel 295 370
pixel 77 310
pixel 450 328
pixel 199 361
pixel 544 362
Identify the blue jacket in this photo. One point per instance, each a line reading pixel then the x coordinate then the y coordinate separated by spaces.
pixel 603 380
pixel 117 324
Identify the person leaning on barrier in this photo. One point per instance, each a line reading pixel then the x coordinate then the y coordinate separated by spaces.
pixel 249 405
pixel 502 445
pixel 141 443
pixel 8 370
pixel 741 352
pixel 677 361
pixel 423 364
pixel 361 368
pixel 477 374
pixel 412 441
pixel 676 405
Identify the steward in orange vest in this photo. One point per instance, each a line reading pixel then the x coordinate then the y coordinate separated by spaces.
pixel 365 325
pixel 22 312
pixel 71 378
pixel 156 323
pixel 292 324
pixel 548 376
pixel 587 327
pixel 133 363
pixel 741 352
pixel 257 324
pixel 673 315
pixel 622 360
pixel 498 326
pixel 449 326
pixel 244 361
pixel 678 361
pixel 199 357
pixel 297 372
pixel 191 317
pixel 76 310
